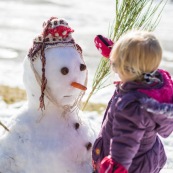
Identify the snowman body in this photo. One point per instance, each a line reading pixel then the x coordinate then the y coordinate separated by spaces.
pixel 52 140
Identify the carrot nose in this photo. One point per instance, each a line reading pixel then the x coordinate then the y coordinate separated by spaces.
pixel 79 86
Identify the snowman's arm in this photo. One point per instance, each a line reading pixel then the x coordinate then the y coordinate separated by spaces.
pixel 5 127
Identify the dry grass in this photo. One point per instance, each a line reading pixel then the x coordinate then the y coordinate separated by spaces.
pixel 11 95
pixel 98 107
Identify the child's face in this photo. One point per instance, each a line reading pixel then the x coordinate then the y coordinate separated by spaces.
pixel 113 67
pixel 123 79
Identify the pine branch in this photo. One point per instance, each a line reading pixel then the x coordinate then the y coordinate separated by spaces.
pixel 1 124
pixel 129 14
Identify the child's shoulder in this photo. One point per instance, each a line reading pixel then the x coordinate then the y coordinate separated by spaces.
pixel 127 107
pixel 126 99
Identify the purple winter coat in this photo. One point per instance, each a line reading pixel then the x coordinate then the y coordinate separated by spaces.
pixel 130 131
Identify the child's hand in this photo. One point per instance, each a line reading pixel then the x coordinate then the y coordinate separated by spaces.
pixel 104 45
pixel 108 165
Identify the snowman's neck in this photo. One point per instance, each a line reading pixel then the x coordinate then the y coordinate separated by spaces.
pixel 53 114
pixel 51 108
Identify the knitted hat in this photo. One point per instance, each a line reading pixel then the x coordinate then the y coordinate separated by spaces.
pixel 56 33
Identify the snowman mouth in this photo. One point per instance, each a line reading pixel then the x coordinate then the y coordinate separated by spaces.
pixel 68 96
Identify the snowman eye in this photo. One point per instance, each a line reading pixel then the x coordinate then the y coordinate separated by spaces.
pixel 82 67
pixel 64 70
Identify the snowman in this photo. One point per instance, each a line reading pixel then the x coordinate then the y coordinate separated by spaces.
pixel 48 134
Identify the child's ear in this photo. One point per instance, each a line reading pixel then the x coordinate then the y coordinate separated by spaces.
pixel 104 45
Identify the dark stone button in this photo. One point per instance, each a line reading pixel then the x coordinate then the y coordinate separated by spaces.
pixel 82 67
pixel 88 146
pixel 76 125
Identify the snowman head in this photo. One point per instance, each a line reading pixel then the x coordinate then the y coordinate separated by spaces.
pixel 57 64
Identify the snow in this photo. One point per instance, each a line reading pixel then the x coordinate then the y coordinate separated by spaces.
pixel 95 121
pixel 22 19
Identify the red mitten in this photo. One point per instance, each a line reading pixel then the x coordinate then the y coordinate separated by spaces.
pixel 104 45
pixel 108 165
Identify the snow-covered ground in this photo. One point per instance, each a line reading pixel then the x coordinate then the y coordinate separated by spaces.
pixel 21 21
pixel 7 111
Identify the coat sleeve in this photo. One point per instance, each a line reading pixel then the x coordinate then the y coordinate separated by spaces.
pixel 161 113
pixel 128 130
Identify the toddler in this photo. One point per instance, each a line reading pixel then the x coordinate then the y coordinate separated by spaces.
pixel 128 141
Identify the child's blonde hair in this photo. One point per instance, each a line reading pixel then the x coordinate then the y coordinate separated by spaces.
pixel 135 53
